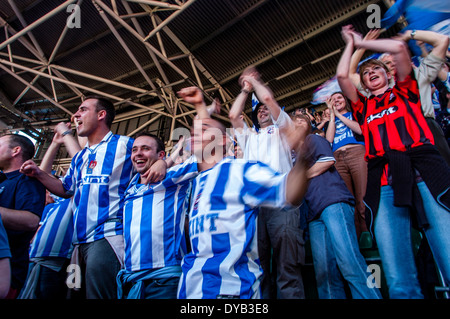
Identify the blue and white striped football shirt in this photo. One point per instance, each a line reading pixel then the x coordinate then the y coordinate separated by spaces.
pixel 97 178
pixel 222 228
pixel 154 219
pixel 54 237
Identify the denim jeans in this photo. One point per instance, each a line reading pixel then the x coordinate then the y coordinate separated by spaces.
pixel 163 288
pixel 335 247
pixel 393 235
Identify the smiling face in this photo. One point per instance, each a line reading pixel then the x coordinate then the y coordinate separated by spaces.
pixel 339 102
pixel 263 115
pixel 374 75
pixel 144 153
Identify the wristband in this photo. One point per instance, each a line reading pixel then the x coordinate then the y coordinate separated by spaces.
pixel 66 132
pixel 245 91
pixel 413 34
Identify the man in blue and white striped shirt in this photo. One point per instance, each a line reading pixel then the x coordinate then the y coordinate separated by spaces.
pixel 97 178
pixel 154 224
pixel 280 237
pixel 224 203
pixel 50 252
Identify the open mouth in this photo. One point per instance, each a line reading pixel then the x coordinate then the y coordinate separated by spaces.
pixel 140 161
pixel 374 77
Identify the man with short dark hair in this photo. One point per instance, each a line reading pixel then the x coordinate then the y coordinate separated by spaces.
pixel 97 178
pixel 154 224
pixel 22 201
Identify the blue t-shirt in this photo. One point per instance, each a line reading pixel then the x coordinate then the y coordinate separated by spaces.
pixel 344 135
pixel 21 192
pixel 4 245
pixel 329 187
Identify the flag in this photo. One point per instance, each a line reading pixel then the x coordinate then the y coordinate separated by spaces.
pixel 329 87
pixel 433 15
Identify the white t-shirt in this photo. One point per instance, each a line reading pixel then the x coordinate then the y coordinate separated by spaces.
pixel 268 145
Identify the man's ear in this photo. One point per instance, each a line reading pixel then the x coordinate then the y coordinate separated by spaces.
pixel 101 115
pixel 161 154
pixel 16 151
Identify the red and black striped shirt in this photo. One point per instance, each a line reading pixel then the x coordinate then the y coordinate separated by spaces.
pixel 392 120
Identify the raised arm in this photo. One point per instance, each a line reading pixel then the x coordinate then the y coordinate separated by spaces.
pixel 61 136
pixel 170 160
pixel 331 130
pixel 395 47
pixel 438 41
pixel 194 96
pixel 357 56
pixel 214 107
pixel 238 106
pixel 262 91
pixel 343 68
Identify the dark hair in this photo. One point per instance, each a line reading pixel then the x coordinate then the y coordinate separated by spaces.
pixel 255 115
pixel 159 143
pixel 24 143
pixel 104 104
pixel 348 107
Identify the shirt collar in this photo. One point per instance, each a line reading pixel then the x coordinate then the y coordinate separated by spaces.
pixel 104 140
pixel 11 175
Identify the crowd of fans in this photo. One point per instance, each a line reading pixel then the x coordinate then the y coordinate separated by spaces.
pixel 229 215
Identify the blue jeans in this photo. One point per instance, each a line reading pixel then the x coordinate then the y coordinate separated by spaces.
pixel 334 244
pixel 393 235
pixel 163 288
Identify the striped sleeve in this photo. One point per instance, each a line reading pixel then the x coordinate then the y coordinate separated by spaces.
pixel 263 186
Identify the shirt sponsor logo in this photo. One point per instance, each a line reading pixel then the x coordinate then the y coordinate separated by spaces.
pixel 96 179
pixel 379 115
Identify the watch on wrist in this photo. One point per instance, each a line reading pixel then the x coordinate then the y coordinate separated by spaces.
pixel 413 34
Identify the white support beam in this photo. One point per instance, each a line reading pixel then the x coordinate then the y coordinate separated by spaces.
pixel 36 23
pixel 169 19
pixel 34 88
pixel 157 4
pixel 136 34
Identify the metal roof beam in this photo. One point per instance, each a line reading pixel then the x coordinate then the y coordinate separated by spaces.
pixel 270 55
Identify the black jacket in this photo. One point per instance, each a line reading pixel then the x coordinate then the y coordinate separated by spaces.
pixel 433 169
